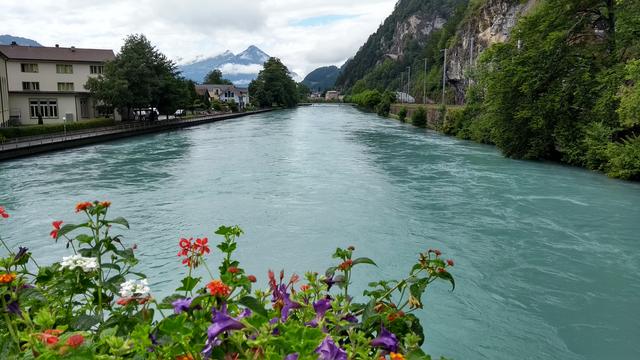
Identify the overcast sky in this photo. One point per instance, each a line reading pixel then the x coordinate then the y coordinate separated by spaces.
pixel 305 34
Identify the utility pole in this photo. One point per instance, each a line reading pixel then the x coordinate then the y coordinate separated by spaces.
pixel 471 62
pixel 408 83
pixel 424 95
pixel 444 76
pixel 402 87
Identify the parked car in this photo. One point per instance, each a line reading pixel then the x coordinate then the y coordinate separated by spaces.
pixel 180 113
pixel 146 114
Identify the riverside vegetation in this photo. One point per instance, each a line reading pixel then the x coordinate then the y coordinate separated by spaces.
pixel 94 304
pixel 565 86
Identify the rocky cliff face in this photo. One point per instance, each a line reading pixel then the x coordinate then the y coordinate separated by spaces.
pixel 418 27
pixel 489 24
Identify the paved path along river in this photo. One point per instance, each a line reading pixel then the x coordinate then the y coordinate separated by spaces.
pixel 546 256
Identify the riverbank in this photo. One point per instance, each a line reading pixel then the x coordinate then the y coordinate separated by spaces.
pixel 42 144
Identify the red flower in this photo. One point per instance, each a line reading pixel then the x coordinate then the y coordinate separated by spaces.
pixel 252 278
pixel 83 206
pixel 3 213
pixel 105 204
pixel 56 228
pixel 441 270
pixel 437 252
pixel 294 279
pixel 450 262
pixel 75 340
pixel 346 265
pixel 202 246
pixel 304 287
pixel 185 246
pixel 233 270
pixel 218 288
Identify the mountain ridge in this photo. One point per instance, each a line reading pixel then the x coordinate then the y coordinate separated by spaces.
pixel 7 39
pixel 240 69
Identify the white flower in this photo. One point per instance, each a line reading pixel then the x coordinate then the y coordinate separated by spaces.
pixel 78 261
pixel 131 288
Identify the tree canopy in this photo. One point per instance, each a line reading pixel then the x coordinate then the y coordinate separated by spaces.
pixel 141 76
pixel 215 77
pixel 274 86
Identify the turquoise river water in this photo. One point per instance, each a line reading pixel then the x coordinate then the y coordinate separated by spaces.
pixel 547 256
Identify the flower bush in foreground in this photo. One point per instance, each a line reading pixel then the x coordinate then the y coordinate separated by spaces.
pixel 94 305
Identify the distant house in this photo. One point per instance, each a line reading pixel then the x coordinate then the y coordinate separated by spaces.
pixel 332 95
pixel 225 93
pixel 48 83
pixel 405 98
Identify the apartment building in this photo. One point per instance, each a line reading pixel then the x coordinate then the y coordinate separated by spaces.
pixel 47 83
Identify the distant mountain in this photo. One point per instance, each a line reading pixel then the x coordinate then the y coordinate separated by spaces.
pixel 241 69
pixel 322 79
pixel 8 39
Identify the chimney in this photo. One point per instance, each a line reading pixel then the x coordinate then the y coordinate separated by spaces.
pixel 73 49
pixel 13 43
pixel 57 45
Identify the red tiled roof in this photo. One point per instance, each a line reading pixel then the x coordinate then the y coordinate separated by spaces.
pixel 17 52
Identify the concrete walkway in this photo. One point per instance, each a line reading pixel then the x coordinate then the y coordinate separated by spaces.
pixel 40 144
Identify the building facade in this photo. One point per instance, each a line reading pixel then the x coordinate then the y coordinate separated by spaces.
pixel 225 93
pixel 47 84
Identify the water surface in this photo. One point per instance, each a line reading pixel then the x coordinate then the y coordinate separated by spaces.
pixel 546 256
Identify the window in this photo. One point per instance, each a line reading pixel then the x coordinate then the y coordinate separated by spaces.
pixel 65 86
pixel 97 69
pixel 47 108
pixel 29 68
pixel 64 69
pixel 31 85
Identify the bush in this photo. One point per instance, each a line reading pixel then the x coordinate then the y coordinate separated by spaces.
pixel 402 114
pixel 94 304
pixel 33 130
pixel 419 117
pixel 624 159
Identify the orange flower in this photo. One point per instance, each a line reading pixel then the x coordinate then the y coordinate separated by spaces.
pixel 3 213
pixel 184 357
pixel 105 204
pixel 394 316
pixel 346 265
pixel 83 206
pixel 394 356
pixel 7 278
pixel 75 340
pixel 218 288
pixel 56 228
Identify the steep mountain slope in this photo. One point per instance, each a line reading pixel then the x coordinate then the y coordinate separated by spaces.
pixel 8 39
pixel 399 39
pixel 322 79
pixel 241 69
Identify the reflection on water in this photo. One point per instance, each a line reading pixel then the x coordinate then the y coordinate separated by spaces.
pixel 546 256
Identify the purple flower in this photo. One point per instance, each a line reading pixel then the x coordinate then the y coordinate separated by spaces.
pixel 330 282
pixel 22 251
pixel 181 305
pixel 328 350
pixel 222 322
pixel 350 318
pixel 386 340
pixel 321 307
pixel 292 357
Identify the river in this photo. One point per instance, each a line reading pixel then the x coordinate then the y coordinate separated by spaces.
pixel 547 256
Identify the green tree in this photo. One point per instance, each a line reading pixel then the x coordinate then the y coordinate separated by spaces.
pixel 215 77
pixel 419 117
pixel 303 92
pixel 274 86
pixel 140 76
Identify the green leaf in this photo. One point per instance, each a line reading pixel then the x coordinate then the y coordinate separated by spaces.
pixel 417 354
pixel 65 229
pixel 84 239
pixel 111 266
pixel 119 221
pixel 445 275
pixel 254 305
pixel 364 260
pixel 85 322
pixel 189 283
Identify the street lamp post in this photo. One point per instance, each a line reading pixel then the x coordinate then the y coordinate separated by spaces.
pixel 408 83
pixel 444 76
pixel 424 94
